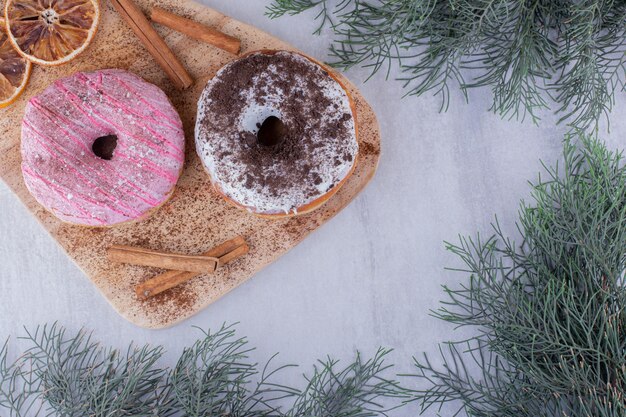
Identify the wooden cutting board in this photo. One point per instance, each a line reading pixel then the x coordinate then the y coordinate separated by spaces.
pixel 195 219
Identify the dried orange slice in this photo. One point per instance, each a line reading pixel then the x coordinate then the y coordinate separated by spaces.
pixel 51 32
pixel 14 70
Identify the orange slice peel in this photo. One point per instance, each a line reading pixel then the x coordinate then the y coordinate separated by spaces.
pixel 14 70
pixel 51 32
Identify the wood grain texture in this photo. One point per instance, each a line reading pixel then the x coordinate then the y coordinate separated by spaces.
pixel 196 218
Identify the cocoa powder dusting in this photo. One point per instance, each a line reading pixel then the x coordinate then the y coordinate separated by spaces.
pixel 172 303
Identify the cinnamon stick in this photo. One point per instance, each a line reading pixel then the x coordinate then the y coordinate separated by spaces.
pixel 196 30
pixel 146 257
pixel 226 253
pixel 157 47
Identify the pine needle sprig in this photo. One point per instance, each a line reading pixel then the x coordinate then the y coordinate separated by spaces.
pixel 71 375
pixel 358 390
pixel 550 314
pixel 17 388
pixel 79 377
pixel 293 7
pixel 592 63
pixel 535 55
pixel 214 378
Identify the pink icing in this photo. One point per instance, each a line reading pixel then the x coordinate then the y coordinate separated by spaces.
pixel 67 178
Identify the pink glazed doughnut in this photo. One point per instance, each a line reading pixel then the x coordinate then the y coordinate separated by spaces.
pixel 102 148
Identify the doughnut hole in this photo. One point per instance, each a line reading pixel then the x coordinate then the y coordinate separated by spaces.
pixel 272 132
pixel 104 146
pixel 263 125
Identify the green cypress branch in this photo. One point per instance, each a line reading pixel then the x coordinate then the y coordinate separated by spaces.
pixel 359 390
pixel 213 378
pixel 78 377
pixel 67 375
pixel 535 55
pixel 17 387
pixel 550 314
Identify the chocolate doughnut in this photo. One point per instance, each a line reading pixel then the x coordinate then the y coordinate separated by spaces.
pixel 276 133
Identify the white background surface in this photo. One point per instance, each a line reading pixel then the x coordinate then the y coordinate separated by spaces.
pixel 370 276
